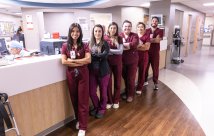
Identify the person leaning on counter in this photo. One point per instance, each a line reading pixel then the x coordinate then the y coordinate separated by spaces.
pixel 17 49
pixel 76 55
pixel 99 71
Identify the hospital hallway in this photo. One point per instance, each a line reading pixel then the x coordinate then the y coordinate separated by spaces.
pixel 192 82
pixel 182 106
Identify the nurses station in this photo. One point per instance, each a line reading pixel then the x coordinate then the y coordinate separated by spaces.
pixel 38 92
pixel 36 84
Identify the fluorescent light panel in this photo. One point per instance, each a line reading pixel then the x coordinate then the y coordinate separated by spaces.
pixel 209 4
pixel 145 4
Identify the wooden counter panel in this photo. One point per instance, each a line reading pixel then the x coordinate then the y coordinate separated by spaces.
pixel 41 108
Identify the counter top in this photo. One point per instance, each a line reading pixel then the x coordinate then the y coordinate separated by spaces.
pixel 31 73
pixel 163 45
pixel 53 40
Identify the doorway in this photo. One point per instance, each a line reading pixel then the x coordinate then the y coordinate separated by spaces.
pixel 187 35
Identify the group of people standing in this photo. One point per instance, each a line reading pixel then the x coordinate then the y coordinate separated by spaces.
pixel 106 56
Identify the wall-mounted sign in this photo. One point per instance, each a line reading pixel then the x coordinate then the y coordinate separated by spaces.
pixel 29 20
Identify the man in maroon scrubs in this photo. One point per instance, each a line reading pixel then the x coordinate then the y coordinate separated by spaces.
pixel 130 59
pixel 156 35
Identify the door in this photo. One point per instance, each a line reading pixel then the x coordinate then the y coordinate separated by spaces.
pixel 187 36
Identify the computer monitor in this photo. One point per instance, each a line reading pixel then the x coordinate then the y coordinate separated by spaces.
pixel 3 47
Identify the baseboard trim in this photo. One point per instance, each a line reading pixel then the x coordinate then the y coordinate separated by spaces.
pixel 55 127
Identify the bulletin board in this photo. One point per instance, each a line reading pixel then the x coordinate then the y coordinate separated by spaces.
pixel 6 28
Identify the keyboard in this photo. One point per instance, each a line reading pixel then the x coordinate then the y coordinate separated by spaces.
pixel 4 62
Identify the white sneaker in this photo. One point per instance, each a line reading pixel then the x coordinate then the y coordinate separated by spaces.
pixel 146 83
pixel 77 125
pixel 156 87
pixel 139 92
pixel 108 106
pixel 81 133
pixel 116 106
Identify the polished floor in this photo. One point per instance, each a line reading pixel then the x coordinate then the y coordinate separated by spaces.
pixel 192 82
pixel 154 113
pixel 182 106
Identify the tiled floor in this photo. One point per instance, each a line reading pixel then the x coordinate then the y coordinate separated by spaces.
pixel 193 82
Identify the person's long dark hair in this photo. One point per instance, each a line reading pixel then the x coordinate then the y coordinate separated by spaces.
pixel 19 30
pixel 111 24
pixel 93 39
pixel 70 40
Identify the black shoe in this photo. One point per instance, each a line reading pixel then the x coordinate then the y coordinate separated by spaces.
pixel 124 97
pixel 156 87
pixel 93 112
pixel 99 115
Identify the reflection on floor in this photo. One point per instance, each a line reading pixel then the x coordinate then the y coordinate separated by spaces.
pixel 154 113
pixel 192 81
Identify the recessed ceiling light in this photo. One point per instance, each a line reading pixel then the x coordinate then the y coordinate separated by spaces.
pixel 209 4
pixel 145 4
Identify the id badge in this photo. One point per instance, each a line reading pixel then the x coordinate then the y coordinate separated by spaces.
pixel 151 35
pixel 124 40
pixel 72 54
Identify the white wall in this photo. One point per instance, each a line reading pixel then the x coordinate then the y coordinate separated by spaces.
pixel 133 14
pixel 58 22
pixel 209 21
pixel 54 20
pixel 32 37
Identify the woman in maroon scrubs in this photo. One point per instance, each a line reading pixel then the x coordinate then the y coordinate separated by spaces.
pixel 130 59
pixel 76 55
pixel 99 71
pixel 143 47
pixel 115 63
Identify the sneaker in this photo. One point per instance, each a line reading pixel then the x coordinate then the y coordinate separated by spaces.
pixel 93 112
pixel 108 106
pixel 146 83
pixel 156 87
pixel 81 133
pixel 124 97
pixel 77 125
pixel 116 106
pixel 129 99
pixel 138 92
pixel 99 115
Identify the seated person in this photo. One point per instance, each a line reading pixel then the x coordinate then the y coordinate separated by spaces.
pixel 17 49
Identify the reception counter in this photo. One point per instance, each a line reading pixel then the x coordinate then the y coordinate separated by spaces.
pixel 30 73
pixel 38 93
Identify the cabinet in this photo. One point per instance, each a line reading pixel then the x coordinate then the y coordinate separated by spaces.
pixel 51 46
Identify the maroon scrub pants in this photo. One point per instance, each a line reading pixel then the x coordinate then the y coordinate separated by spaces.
pixel 129 74
pixel 94 81
pixel 116 70
pixel 142 66
pixel 79 92
pixel 154 57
